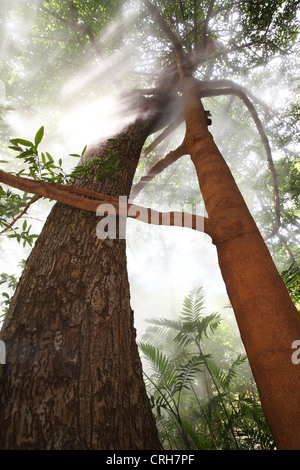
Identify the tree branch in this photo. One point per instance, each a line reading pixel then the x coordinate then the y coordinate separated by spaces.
pixel 166 132
pixel 226 83
pixel 195 19
pixel 158 168
pixel 33 200
pixel 182 10
pixel 91 200
pixel 74 26
pixel 177 46
pixel 242 95
pixel 205 26
pixel 87 30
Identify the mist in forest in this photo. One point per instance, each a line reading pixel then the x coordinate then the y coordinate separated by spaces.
pixel 164 263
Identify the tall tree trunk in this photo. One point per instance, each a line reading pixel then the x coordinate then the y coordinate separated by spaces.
pixel 73 378
pixel 267 318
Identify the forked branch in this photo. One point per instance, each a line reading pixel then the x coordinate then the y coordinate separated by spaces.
pixel 177 46
pixel 242 95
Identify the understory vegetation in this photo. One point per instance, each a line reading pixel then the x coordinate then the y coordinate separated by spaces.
pixel 200 384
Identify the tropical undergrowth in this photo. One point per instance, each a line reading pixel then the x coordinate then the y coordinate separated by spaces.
pixel 201 390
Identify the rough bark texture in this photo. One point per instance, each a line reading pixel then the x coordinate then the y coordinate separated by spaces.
pixel 73 378
pixel 267 319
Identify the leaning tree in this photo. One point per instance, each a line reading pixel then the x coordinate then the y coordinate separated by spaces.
pixel 73 378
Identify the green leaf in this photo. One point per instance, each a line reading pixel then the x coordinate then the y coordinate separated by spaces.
pixel 50 158
pixel 39 135
pixel 14 147
pixel 160 362
pixel 24 142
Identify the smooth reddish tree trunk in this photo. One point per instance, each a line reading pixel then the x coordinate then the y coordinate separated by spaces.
pixel 266 316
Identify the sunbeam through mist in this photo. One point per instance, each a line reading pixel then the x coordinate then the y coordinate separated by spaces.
pixel 149 225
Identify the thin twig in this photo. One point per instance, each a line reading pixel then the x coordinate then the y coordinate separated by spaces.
pixel 34 199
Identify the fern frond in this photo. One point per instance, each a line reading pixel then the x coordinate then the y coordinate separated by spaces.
pixel 166 323
pixel 187 372
pixel 193 305
pixel 219 375
pixel 156 336
pixel 184 338
pixel 209 322
pixel 160 363
pixel 232 372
